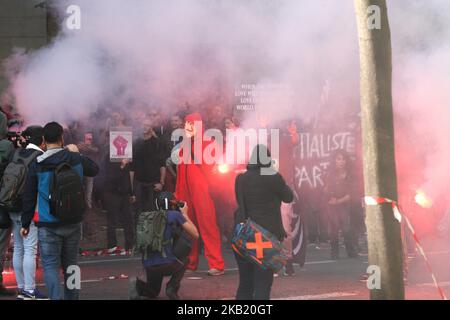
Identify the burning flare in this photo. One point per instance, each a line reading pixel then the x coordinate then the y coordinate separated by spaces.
pixel 223 168
pixel 423 200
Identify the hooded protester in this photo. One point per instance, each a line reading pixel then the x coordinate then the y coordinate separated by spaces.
pixel 263 190
pixel 6 153
pixel 192 187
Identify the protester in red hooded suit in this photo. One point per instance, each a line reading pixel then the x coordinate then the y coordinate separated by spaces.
pixel 192 187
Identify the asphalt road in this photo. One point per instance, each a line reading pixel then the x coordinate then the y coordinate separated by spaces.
pixel 321 278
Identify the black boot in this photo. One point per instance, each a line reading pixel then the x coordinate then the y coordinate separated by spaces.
pixel 172 294
pixel 137 289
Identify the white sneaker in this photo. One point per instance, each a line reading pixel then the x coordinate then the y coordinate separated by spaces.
pixel 215 272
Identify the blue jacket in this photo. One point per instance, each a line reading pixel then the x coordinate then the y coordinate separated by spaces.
pixel 37 187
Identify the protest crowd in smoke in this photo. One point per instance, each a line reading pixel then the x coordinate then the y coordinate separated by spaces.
pixel 168 53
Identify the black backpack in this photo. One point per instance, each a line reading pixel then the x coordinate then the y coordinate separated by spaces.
pixel 13 180
pixel 66 197
pixel 5 146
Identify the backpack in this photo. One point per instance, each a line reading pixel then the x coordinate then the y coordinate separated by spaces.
pixel 150 229
pixel 253 242
pixel 13 181
pixel 5 146
pixel 66 196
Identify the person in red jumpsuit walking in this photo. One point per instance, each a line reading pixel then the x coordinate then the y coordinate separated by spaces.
pixel 192 187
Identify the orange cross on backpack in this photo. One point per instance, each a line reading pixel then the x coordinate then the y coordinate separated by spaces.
pixel 259 245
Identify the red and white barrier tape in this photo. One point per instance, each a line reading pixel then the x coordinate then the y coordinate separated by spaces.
pixel 371 201
pixel 116 251
pixel 422 252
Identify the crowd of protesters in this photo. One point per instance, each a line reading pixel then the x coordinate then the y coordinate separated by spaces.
pixel 124 189
pixel 153 171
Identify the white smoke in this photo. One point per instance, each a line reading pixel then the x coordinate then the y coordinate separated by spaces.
pixel 166 53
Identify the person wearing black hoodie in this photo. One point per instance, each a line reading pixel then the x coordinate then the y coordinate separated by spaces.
pixel 263 190
pixel 118 196
pixel 6 154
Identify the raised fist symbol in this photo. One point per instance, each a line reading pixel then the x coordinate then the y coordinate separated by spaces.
pixel 121 144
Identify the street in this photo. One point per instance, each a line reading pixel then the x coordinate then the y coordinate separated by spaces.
pixel 320 279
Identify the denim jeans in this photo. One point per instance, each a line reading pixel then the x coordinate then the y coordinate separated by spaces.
pixel 287 213
pixel 25 250
pixel 88 214
pixel 88 189
pixel 59 249
pixel 254 282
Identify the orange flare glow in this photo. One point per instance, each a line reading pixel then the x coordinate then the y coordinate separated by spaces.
pixel 223 168
pixel 423 200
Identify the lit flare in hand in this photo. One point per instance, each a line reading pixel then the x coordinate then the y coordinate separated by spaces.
pixel 223 168
pixel 423 200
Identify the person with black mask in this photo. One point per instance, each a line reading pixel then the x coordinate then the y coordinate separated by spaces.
pixel 263 190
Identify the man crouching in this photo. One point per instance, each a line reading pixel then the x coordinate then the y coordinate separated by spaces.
pixel 164 238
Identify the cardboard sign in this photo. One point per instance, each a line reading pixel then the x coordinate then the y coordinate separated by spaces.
pixel 120 144
pixel 250 97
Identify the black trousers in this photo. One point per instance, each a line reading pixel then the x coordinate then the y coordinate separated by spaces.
pixel 339 220
pixel 118 209
pixel 254 282
pixel 155 276
pixel 145 197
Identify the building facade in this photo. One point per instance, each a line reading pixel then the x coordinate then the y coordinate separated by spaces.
pixel 23 24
